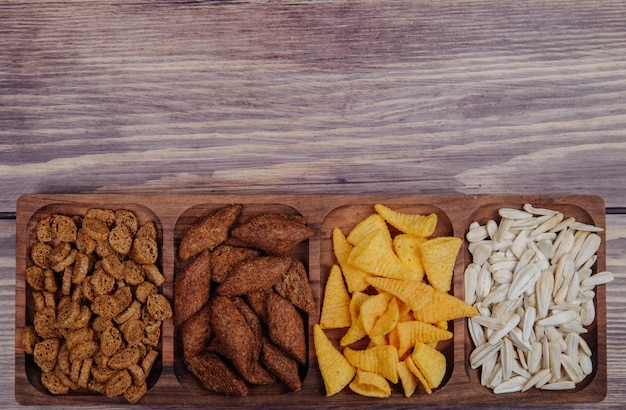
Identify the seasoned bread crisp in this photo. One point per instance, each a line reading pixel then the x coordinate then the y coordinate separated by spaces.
pixel 63 228
pixel 216 375
pixel 254 274
pixel 144 250
pixel 294 286
pixel 233 333
pixel 121 239
pixel 39 254
pixel 128 219
pixel 286 327
pixel 196 333
pixel 225 257
pixel 281 365
pixel 209 232
pixel 274 233
pixel 192 287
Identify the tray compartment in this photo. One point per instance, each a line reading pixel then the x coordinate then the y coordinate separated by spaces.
pixel 144 215
pixel 488 212
pixel 345 218
pixel 300 252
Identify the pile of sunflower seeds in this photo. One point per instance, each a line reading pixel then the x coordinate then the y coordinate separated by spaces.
pixel 532 283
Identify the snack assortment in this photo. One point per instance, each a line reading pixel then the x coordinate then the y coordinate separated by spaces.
pixel 98 309
pixel 389 291
pixel 241 299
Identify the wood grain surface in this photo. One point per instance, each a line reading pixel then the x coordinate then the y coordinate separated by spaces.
pixel 309 96
pixel 314 97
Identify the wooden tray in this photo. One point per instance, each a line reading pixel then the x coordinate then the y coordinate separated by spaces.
pixel 172 386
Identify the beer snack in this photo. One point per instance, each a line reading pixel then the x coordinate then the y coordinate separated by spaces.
pixel 97 319
pixel 389 290
pixel 255 295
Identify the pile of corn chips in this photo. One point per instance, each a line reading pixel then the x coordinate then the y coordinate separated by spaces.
pixel 390 293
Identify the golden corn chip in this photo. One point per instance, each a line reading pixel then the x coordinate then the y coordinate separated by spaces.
pixel 409 333
pixel 414 224
pixel 415 294
pixel 393 339
pixel 377 341
pixel 378 359
pixel 410 364
pixel 355 333
pixel 336 303
pixel 370 384
pixel 439 256
pixel 444 307
pixel 336 370
pixel 405 311
pixel 431 362
pixel 375 255
pixel 407 248
pixel 369 225
pixel 407 378
pixel 372 309
pixel 387 321
pixel 356 301
pixel 355 277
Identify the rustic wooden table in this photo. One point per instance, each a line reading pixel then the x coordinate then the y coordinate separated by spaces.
pixel 309 97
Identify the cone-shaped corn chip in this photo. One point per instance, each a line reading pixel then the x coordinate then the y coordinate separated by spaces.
pixel 369 225
pixel 415 294
pixel 370 384
pixel 409 333
pixel 355 277
pixel 372 309
pixel 393 339
pixel 431 362
pixel 336 302
pixel 336 371
pixel 355 333
pixel 407 248
pixel 438 257
pixel 407 378
pixel 387 321
pixel 356 301
pixel 378 359
pixel 414 224
pixel 444 307
pixel 375 255
pixel 377 341
pixel 410 364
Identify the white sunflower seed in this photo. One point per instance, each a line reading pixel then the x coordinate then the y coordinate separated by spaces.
pixel 534 357
pixel 470 280
pixel 579 226
pixel 598 279
pixel 555 361
pixel 497 335
pixel 561 385
pixel 480 354
pixel 544 288
pixel 538 211
pixel 506 358
pixel 547 225
pixel 529 320
pixel 558 319
pixel 538 376
pixel 589 248
pixel 512 213
pixel 488 322
pixel 514 384
pixel 477 233
pixel 586 365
